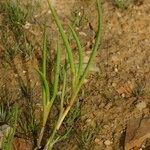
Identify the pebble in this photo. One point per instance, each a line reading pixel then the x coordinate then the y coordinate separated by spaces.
pixel 82 33
pixel 24 72
pixel 116 70
pixel 119 15
pixel 140 106
pixel 4 131
pixel 114 84
pixel 27 25
pixel 123 95
pixel 107 142
pixel 16 75
pixel 98 142
pixel 89 120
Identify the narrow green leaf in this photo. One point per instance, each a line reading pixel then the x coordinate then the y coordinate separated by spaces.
pixel 63 90
pixel 44 53
pixel 96 45
pixel 45 87
pixel 80 52
pixel 44 61
pixel 64 38
pixel 57 71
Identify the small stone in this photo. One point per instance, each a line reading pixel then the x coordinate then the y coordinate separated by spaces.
pixel 116 70
pixel 140 106
pixel 16 75
pixel 123 95
pixel 82 33
pixel 107 142
pixel 97 140
pixel 5 130
pixel 114 84
pixel 24 72
pixel 27 25
pixel 137 133
pixel 79 13
pixel 88 120
pixel 119 15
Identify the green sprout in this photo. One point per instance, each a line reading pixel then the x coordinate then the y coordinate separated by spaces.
pixel 78 76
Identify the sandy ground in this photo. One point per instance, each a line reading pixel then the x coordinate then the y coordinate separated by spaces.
pixel 109 100
pixel 120 90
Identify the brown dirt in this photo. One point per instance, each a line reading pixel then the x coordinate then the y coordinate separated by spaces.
pixel 110 97
pixel 109 101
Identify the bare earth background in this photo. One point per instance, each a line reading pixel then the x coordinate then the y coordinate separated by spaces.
pixel 119 90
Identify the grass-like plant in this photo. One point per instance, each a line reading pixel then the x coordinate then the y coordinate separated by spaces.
pixel 78 76
pixel 15 40
pixel 10 118
pixel 123 4
pixel 15 18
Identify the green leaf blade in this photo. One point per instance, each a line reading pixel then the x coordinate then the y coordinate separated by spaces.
pixel 64 38
pixel 80 52
pixel 45 87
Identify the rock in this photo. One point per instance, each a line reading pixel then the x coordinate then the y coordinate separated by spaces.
pixel 107 143
pixel 114 84
pixel 140 106
pixel 98 142
pixel 4 131
pixel 88 120
pixel 123 95
pixel 137 133
pixel 82 33
pixel 27 25
pixel 116 69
